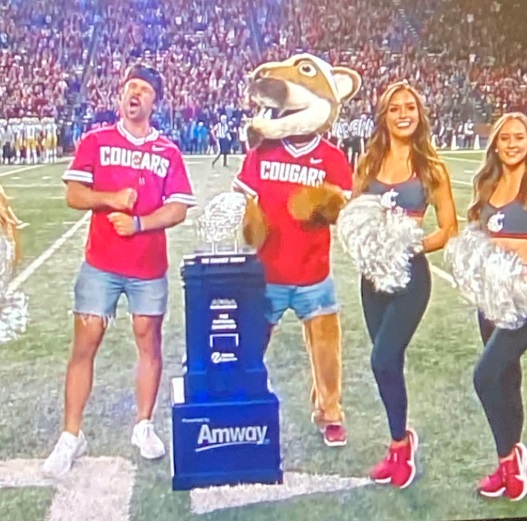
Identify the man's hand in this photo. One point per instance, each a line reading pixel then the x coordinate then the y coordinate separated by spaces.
pixel 124 199
pixel 123 223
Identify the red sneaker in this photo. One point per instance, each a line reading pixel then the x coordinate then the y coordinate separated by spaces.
pixel 514 474
pixel 398 467
pixel 403 469
pixel 335 435
pixel 493 485
pixel 382 472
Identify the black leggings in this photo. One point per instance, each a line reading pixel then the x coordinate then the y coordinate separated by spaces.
pixel 392 320
pixel 498 380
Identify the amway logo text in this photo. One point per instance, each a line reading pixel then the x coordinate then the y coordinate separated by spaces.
pixel 221 437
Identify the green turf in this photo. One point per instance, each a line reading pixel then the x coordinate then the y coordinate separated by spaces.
pixel 25 504
pixel 456 445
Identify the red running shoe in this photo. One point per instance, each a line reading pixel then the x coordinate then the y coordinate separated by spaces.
pixel 514 473
pixel 492 485
pixel 334 435
pixel 398 467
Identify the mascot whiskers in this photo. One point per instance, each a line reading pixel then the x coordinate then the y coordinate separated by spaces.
pixel 296 183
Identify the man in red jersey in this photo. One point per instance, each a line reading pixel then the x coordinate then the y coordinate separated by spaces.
pixel 290 173
pixel 136 185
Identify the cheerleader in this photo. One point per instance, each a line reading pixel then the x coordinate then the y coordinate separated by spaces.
pixel 500 208
pixel 402 166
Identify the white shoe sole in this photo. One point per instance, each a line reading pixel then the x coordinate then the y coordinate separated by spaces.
pixel 81 451
pixel 144 454
pixel 523 463
pixel 414 469
pixel 498 493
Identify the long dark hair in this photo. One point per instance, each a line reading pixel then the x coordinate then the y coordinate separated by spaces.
pixel 487 177
pixel 423 156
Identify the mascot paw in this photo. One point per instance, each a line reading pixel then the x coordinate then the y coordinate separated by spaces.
pixel 254 225
pixel 254 137
pixel 317 205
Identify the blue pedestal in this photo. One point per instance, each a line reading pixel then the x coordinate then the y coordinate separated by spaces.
pixel 225 420
pixel 224 443
pixel 226 328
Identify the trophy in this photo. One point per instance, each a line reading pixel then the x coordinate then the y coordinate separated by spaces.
pixel 225 419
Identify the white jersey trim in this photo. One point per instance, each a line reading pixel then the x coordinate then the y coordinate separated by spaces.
pixel 137 141
pixel 302 150
pixel 247 189
pixel 187 199
pixel 78 175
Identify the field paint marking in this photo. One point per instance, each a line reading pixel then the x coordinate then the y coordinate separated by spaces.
pixel 461 151
pixel 32 167
pixel 205 500
pixel 442 274
pixel 29 270
pixel 462 183
pixel 453 158
pixel 95 489
pixel 59 184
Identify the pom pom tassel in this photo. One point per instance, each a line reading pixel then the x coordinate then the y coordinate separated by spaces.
pixel 492 278
pixel 13 304
pixel 380 240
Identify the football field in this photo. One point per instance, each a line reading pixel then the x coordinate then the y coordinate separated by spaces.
pixel 456 446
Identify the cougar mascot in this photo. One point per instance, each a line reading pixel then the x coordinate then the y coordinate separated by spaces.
pixel 296 183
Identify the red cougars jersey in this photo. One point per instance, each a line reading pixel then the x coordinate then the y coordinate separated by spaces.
pixel 294 252
pixel 110 159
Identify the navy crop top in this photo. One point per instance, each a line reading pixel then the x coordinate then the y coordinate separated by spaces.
pixel 410 195
pixel 508 221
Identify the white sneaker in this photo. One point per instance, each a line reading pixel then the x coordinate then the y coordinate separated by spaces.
pixel 66 451
pixel 145 437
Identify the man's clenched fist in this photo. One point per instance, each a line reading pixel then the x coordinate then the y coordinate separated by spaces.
pixel 123 223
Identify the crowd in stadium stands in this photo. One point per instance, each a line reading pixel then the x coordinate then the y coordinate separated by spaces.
pixel 487 36
pixel 465 56
pixel 42 52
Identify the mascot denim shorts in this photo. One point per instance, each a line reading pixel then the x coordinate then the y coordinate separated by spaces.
pixel 306 301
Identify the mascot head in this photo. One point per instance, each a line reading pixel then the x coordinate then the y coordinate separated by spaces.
pixel 306 93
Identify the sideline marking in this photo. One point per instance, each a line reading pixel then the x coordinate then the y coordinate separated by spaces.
pixel 205 500
pixel 462 183
pixel 95 489
pixel 43 257
pixel 32 167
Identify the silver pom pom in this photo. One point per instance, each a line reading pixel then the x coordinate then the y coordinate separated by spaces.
pixel 13 304
pixel 489 276
pixel 222 217
pixel 381 240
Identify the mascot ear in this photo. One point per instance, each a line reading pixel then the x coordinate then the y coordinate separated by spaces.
pixel 348 82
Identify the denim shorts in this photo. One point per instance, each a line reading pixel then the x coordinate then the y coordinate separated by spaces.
pixel 97 293
pixel 306 301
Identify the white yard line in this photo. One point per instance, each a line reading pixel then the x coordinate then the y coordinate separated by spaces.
pixel 206 500
pixel 462 183
pixel 41 259
pixel 32 167
pixel 58 184
pixel 96 489
pixel 442 274
pixel 462 159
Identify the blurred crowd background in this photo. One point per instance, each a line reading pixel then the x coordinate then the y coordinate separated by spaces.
pixel 61 62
